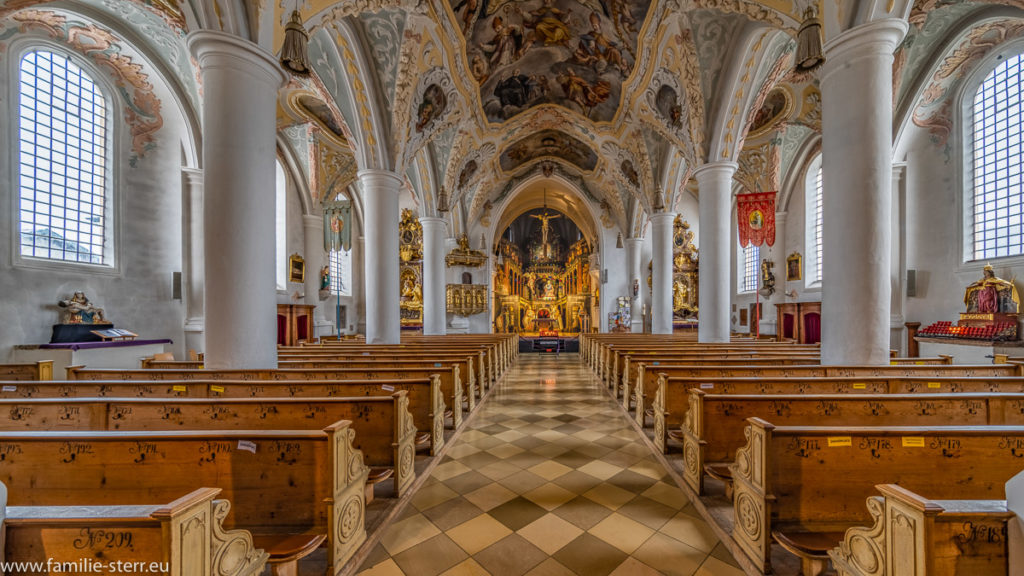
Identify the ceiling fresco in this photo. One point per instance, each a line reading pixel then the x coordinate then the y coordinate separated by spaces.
pixel 573 53
pixel 548 143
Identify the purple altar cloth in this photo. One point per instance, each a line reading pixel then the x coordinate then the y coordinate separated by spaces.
pixel 110 344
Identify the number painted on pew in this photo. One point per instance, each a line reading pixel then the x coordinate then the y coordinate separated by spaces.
pixel 247 445
pixel 913 441
pixel 840 441
pixel 104 539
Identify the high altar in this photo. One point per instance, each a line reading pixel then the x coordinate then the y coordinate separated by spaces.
pixel 542 286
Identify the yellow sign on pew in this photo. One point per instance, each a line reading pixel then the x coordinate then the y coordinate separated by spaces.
pixel 217 389
pixel 179 388
pixel 860 385
pixel 935 385
pixel 913 441
pixel 839 441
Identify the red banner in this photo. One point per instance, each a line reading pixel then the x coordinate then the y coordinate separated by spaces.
pixel 756 218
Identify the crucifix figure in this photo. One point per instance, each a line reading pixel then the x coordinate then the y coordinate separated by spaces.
pixel 545 218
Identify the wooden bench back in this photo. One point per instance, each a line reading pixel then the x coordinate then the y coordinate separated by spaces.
pixel 816 479
pixel 133 535
pixel 278 482
pixel 384 427
pixel 42 370
pixel 426 402
pixel 714 423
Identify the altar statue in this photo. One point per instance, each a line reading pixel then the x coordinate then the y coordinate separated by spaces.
pixel 412 295
pixel 81 311
pixel 992 295
pixel 679 295
pixel 549 289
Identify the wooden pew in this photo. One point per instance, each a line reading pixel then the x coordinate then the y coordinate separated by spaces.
pixel 292 489
pixel 712 429
pixel 383 425
pixel 42 370
pixel 805 486
pixel 672 399
pixel 494 360
pixel 647 380
pixel 616 357
pixel 915 536
pixel 184 537
pixel 451 383
pixel 426 403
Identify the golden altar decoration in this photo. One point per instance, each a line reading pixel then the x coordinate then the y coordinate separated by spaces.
pixel 464 255
pixel 685 273
pixel 466 299
pixel 410 274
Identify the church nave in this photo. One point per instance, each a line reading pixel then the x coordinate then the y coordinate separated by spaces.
pixel 549 477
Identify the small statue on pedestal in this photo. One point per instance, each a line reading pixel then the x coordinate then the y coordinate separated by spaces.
pixel 992 295
pixel 80 311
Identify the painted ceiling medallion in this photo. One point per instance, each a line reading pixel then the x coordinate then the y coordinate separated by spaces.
pixel 574 53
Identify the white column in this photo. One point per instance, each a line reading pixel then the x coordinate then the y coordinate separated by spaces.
pixel 715 205
pixel 634 266
pixel 192 183
pixel 240 84
pixel 381 216
pixel 857 193
pixel 434 310
pixel 313 249
pixel 661 276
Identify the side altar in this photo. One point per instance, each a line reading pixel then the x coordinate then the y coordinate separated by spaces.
pixel 989 326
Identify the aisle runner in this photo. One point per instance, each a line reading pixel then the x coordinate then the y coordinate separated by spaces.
pixel 550 478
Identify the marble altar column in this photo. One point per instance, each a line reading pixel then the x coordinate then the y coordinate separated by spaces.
pixel 240 85
pixel 316 258
pixel 434 309
pixel 634 268
pixel 192 281
pixel 715 243
pixel 381 216
pixel 857 188
pixel 661 276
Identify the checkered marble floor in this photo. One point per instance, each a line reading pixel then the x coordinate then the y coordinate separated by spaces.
pixel 549 479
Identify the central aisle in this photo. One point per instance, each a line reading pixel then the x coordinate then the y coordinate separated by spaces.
pixel 549 478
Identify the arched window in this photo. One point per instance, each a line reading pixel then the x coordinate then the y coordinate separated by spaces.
pixel 996 200
pixel 813 221
pixel 63 162
pixel 281 227
pixel 341 272
pixel 751 258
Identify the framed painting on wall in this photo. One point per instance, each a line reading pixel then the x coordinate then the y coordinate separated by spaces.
pixel 296 268
pixel 794 267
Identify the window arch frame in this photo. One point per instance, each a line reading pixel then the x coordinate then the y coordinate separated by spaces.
pixel 813 167
pixel 964 150
pixel 113 250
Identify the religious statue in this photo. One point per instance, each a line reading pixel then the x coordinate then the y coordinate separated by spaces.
pixel 991 294
pixel 80 311
pixel 545 228
pixel 412 295
pixel 325 278
pixel 549 289
pixel 679 295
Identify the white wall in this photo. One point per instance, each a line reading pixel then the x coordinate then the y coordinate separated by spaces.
pixel 148 212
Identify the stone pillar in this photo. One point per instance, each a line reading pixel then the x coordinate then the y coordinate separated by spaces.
pixel 634 268
pixel 192 282
pixel 316 258
pixel 381 216
pixel 240 85
pixel 661 276
pixel 434 310
pixel 856 287
pixel 715 242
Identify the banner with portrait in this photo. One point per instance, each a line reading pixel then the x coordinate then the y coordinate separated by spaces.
pixel 755 213
pixel 338 226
